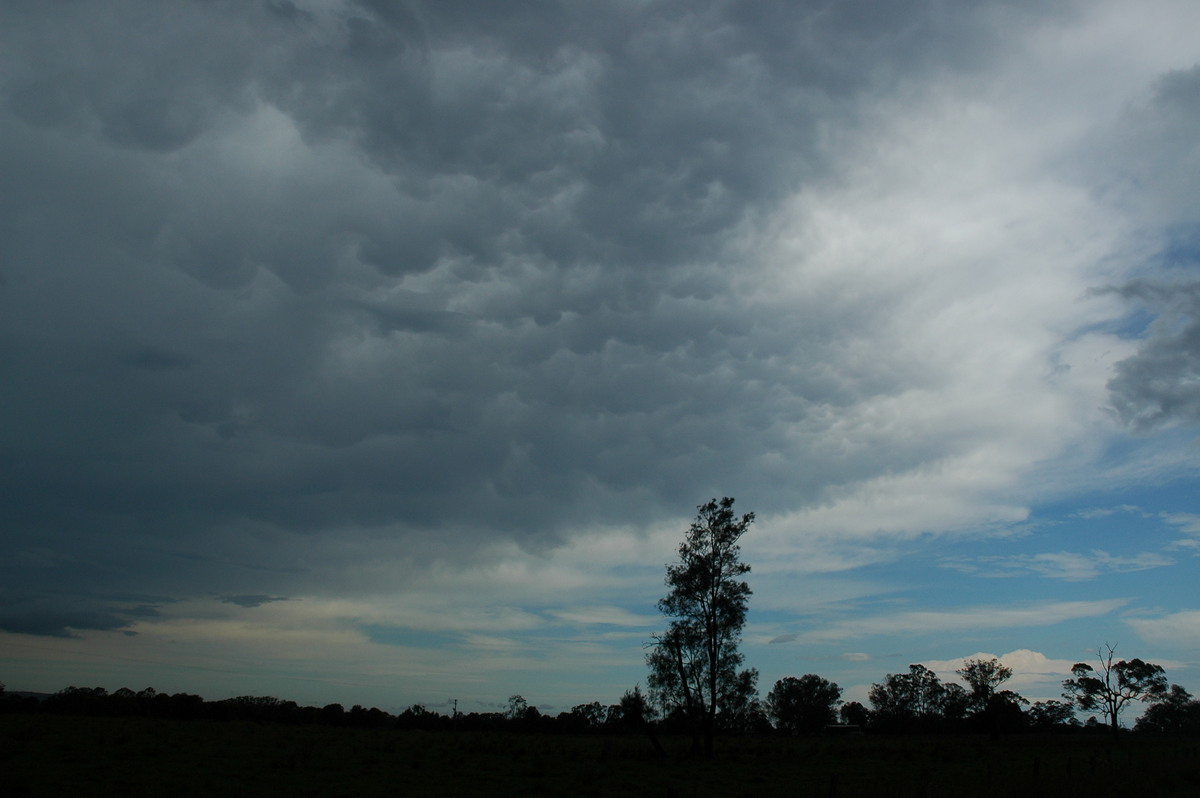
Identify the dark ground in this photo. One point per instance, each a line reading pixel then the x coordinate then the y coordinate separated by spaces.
pixel 44 755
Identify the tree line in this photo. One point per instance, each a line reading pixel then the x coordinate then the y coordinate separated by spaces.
pixel 697 681
pixel 97 701
pixel 915 701
pixel 698 687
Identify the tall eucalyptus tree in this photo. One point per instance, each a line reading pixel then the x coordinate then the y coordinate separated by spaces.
pixel 694 664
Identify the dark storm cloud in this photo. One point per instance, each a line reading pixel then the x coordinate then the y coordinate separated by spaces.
pixel 1157 154
pixel 316 268
pixel 250 602
pixel 1160 385
pixel 63 616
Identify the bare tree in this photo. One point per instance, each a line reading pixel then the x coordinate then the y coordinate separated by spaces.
pixel 1114 685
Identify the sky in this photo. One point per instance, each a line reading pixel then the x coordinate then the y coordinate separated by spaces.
pixel 380 353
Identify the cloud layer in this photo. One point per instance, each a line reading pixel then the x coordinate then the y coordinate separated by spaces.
pixel 344 302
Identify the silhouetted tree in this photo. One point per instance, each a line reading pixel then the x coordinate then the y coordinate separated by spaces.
pixel 534 720
pixel 853 713
pixel 181 706
pixel 1114 685
pixel 124 702
pixel 418 717
pixel 1005 712
pixel 983 676
pixel 904 700
pixel 738 708
pixel 587 717
pixel 1174 713
pixel 363 718
pixel 803 705
pixel 518 707
pixel 614 717
pixel 1052 714
pixel 79 701
pixel 637 712
pixel 992 709
pixel 694 664
pixel 333 715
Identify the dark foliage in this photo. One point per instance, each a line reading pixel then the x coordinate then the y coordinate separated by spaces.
pixel 1174 713
pixel 914 702
pixel 133 757
pixel 694 665
pixel 803 705
pixel 1046 716
pixel 853 713
pixel 1111 688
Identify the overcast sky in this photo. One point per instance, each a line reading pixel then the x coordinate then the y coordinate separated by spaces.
pixel 380 352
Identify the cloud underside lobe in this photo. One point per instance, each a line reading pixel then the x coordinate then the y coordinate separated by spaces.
pixel 307 299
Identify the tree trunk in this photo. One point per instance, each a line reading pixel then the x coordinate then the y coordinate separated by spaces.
pixel 709 722
pixel 649 730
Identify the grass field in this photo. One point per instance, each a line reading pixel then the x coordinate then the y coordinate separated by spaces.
pixel 44 755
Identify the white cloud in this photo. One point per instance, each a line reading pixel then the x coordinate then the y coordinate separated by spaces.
pixel 963 260
pixel 605 616
pixel 1179 630
pixel 1035 676
pixel 1105 512
pixel 973 618
pixel 1066 565
pixel 1186 522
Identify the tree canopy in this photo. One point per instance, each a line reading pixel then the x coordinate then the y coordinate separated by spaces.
pixel 1114 685
pixel 1174 712
pixel 694 664
pixel 803 705
pixel 983 676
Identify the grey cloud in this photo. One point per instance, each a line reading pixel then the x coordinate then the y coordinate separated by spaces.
pixel 142 76
pixel 252 601
pixel 154 359
pixel 1150 160
pixel 1147 159
pixel 53 616
pixel 1160 385
pixel 396 268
